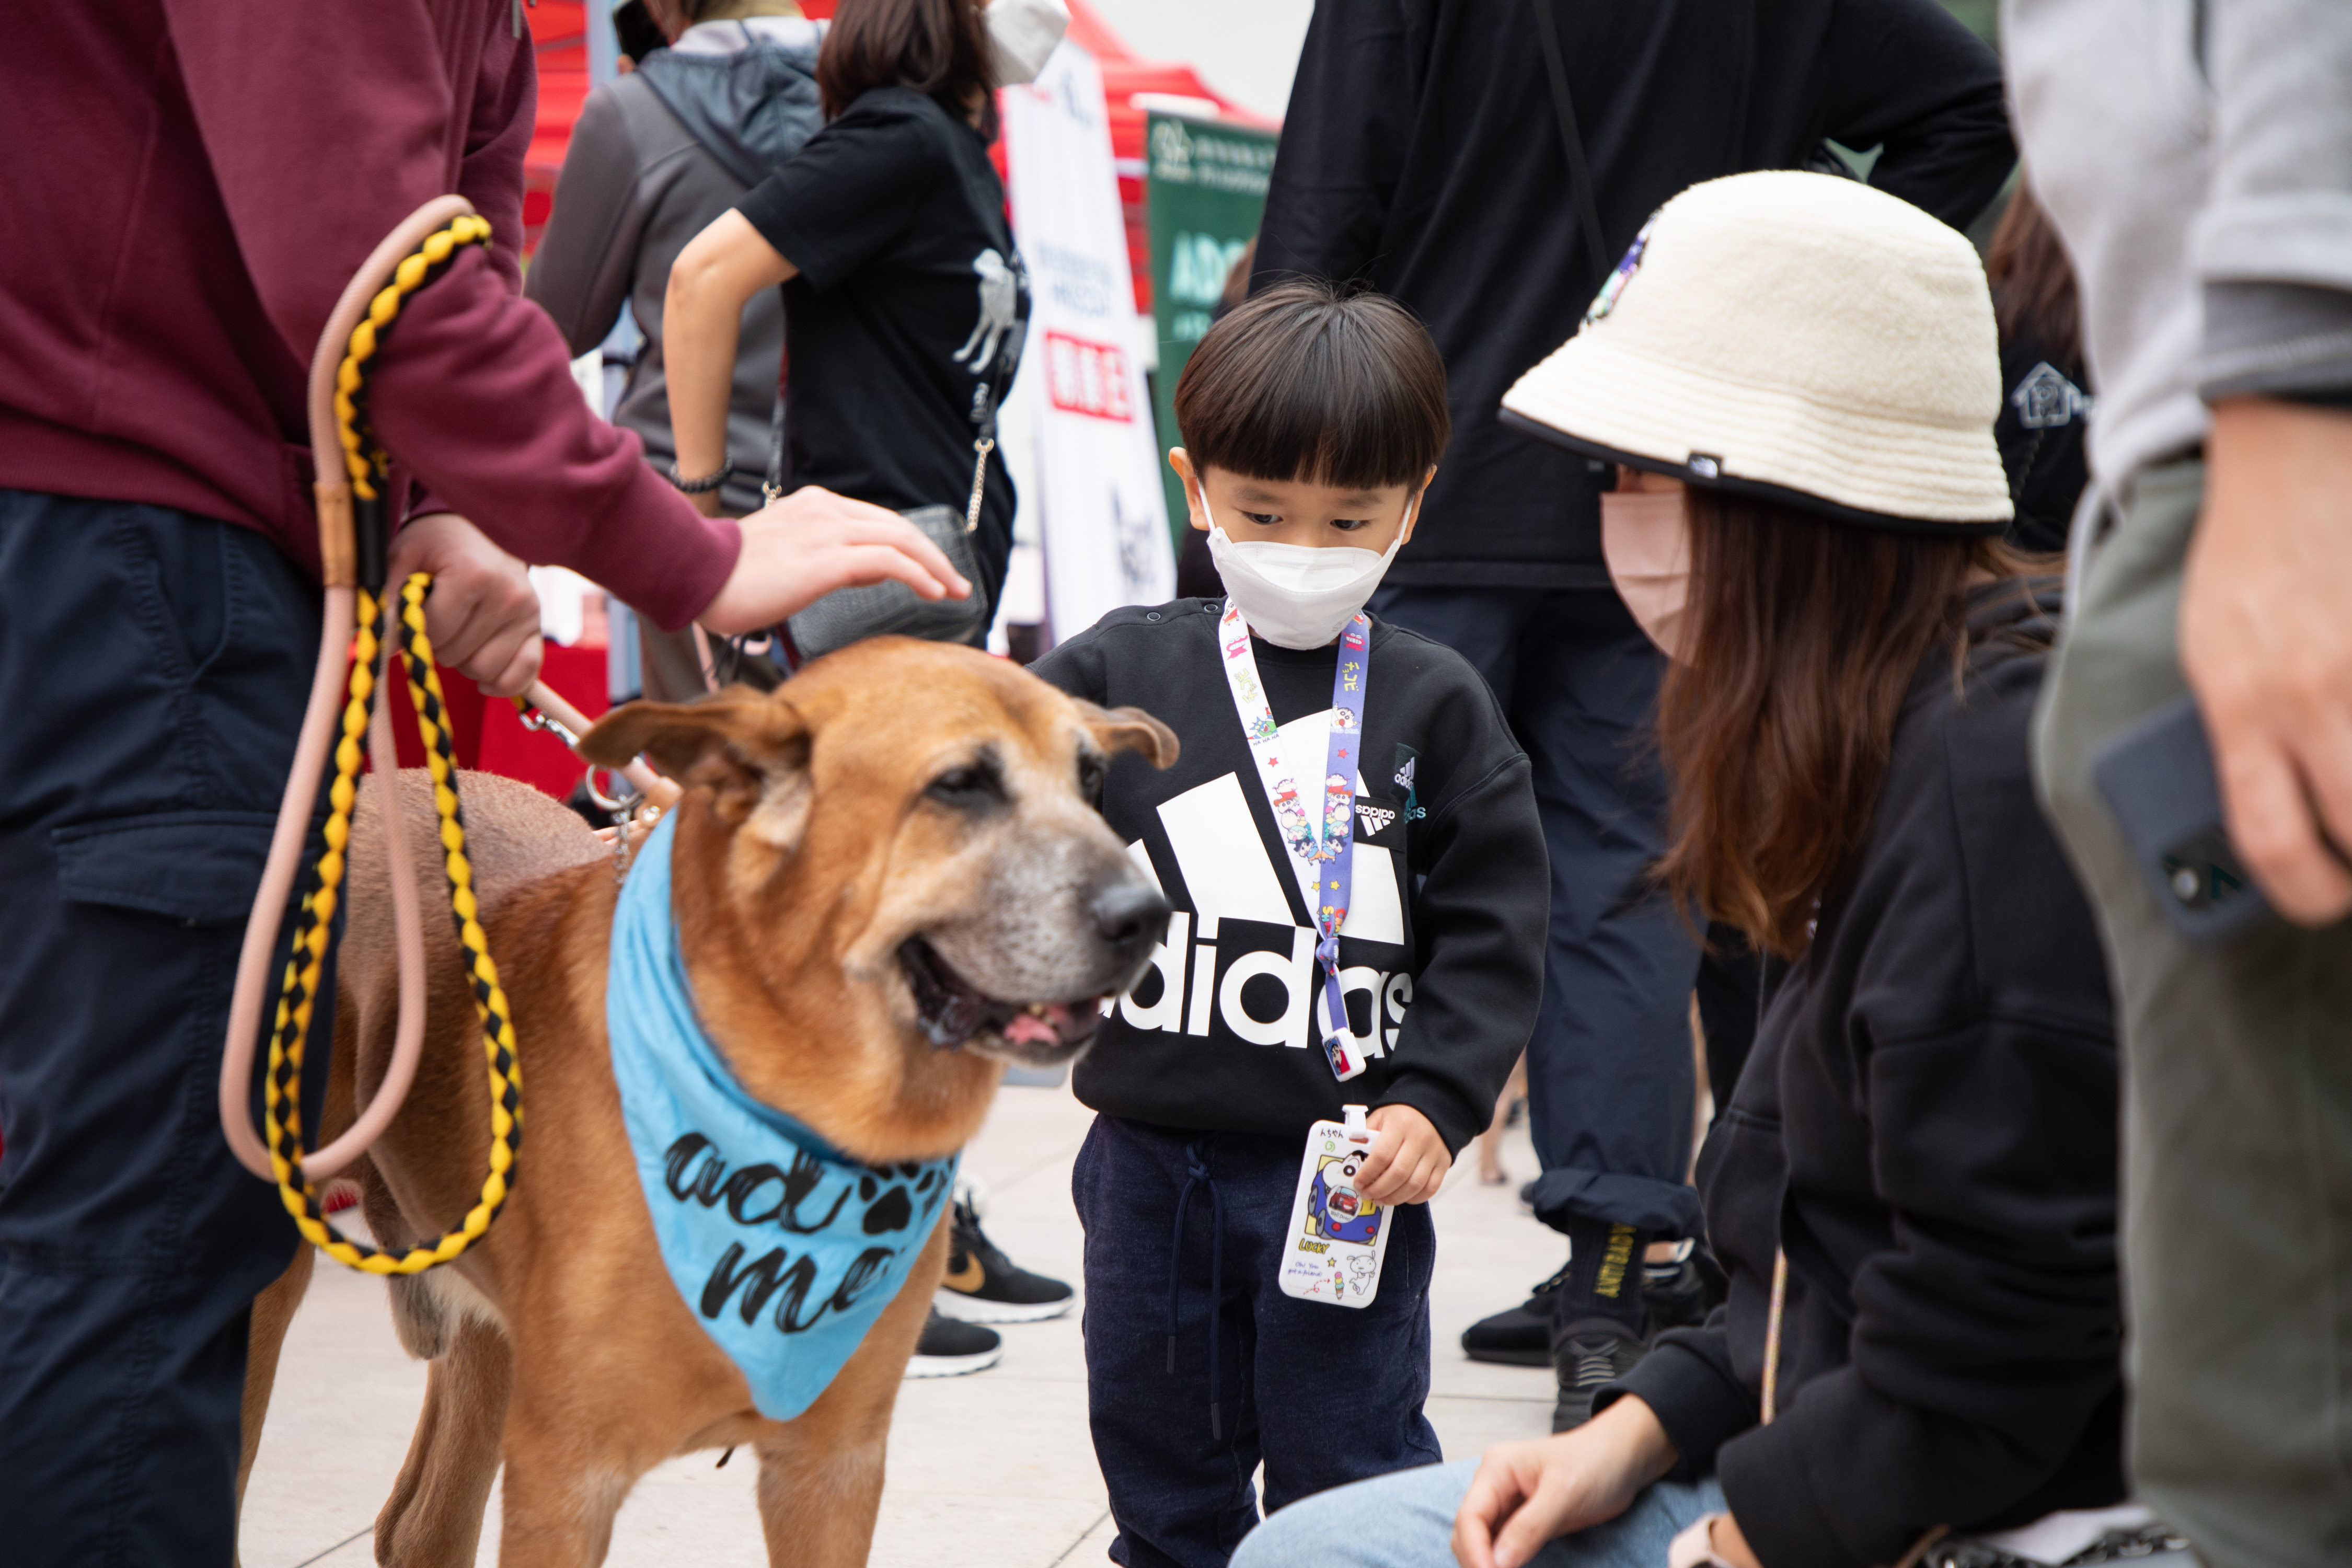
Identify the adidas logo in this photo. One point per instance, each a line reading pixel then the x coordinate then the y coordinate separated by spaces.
pixel 1374 818
pixel 1404 774
pixel 1239 935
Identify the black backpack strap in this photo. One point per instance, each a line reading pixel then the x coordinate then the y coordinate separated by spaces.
pixel 1580 173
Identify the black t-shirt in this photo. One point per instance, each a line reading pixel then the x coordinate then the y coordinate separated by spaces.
pixel 904 327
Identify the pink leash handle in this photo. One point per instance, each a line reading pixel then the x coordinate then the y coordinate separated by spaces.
pixel 332 486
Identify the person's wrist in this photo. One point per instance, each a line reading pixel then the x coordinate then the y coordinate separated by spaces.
pixel 701 484
pixel 1649 1452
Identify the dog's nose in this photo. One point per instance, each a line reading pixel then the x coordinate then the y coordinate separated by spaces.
pixel 1130 914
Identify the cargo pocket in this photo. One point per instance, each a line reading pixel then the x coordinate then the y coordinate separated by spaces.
pixel 199 868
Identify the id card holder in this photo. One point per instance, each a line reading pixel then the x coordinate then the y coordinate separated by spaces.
pixel 1332 1250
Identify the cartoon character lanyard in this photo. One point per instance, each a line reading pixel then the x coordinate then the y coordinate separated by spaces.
pixel 1328 859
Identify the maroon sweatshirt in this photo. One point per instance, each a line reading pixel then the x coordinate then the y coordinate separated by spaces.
pixel 188 185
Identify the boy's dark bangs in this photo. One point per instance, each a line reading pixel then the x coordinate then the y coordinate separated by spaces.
pixel 1329 402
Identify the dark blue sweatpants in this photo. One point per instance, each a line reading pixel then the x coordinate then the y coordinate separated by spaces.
pixel 153 670
pixel 1610 1076
pixel 1323 1395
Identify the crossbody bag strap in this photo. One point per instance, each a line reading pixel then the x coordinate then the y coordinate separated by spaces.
pixel 1580 173
pixel 981 446
pixel 772 491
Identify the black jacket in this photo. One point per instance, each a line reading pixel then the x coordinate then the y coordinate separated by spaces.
pixel 1928 1128
pixel 1442 956
pixel 1422 152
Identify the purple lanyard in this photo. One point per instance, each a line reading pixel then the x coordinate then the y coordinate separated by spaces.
pixel 1325 862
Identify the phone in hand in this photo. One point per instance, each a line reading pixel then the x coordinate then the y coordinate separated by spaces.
pixel 2158 781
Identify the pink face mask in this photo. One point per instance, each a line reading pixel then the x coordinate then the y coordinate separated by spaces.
pixel 1645 539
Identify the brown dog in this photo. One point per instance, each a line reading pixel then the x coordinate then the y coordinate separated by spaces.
pixel 896 851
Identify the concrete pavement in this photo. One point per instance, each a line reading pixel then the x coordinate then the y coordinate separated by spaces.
pixel 993 1470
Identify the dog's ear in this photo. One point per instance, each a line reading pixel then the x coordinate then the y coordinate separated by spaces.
pixel 748 748
pixel 1129 730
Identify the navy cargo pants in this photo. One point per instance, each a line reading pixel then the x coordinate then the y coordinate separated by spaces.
pixel 153 667
pixel 1610 1074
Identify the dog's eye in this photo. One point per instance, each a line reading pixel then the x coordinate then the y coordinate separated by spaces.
pixel 1091 771
pixel 972 788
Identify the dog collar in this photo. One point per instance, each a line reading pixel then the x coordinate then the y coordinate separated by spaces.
pixel 784 1248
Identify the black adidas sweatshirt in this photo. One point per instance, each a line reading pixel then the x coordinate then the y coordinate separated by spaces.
pixel 1442 957
pixel 1928 1128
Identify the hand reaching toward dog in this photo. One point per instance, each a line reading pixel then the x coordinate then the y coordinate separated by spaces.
pixel 1407 1161
pixel 483 613
pixel 798 549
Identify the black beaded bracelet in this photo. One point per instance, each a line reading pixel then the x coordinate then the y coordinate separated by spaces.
pixel 702 486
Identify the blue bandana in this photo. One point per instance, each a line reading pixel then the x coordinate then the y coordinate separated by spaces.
pixel 785 1248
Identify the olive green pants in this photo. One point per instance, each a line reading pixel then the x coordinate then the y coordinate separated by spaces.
pixel 2237 1210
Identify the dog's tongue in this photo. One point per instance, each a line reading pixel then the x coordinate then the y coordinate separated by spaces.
pixel 1046 1022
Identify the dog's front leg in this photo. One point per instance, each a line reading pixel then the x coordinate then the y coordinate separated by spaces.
pixel 820 1476
pixel 817 1503
pixel 434 1517
pixel 567 1475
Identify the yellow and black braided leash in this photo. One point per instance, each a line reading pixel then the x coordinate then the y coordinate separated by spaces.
pixel 313 934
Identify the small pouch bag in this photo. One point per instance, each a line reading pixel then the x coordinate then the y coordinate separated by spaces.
pixel 892 609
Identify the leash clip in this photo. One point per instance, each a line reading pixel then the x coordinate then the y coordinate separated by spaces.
pixel 623 812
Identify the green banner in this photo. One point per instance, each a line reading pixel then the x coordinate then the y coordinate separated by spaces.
pixel 1204 190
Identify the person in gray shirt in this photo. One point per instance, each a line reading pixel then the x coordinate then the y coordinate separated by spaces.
pixel 2197 160
pixel 655 156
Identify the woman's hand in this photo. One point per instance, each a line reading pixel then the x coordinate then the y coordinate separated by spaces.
pixel 1526 1493
pixel 483 613
pixel 798 549
pixel 1730 1544
pixel 1407 1161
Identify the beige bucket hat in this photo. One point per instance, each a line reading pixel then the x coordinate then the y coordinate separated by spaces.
pixel 1798 338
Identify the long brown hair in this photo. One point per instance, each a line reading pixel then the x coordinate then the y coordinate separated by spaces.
pixel 2033 280
pixel 1800 642
pixel 938 48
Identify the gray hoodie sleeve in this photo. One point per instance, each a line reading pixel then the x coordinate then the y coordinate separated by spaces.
pixel 588 254
pixel 2273 247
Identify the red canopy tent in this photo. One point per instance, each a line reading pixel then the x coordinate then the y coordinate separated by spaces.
pixel 560 33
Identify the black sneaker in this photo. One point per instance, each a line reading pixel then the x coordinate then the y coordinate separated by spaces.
pixel 1521 1336
pixel 983 1286
pixel 1676 1295
pixel 1588 1352
pixel 949 1348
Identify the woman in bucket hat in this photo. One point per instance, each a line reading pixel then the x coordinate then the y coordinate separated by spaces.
pixel 1914 1187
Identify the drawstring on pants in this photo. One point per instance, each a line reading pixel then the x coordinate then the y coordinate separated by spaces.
pixel 1197 1174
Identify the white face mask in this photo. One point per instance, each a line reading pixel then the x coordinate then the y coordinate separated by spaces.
pixel 1021 36
pixel 1645 539
pixel 1298 595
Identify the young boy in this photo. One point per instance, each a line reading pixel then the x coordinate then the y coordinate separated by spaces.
pixel 1312 424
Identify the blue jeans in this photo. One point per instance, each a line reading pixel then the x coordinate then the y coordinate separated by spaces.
pixel 1609 1079
pixel 153 671
pixel 1323 1395
pixel 1406 1520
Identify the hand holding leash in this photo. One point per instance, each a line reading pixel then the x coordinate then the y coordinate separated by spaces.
pixel 483 613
